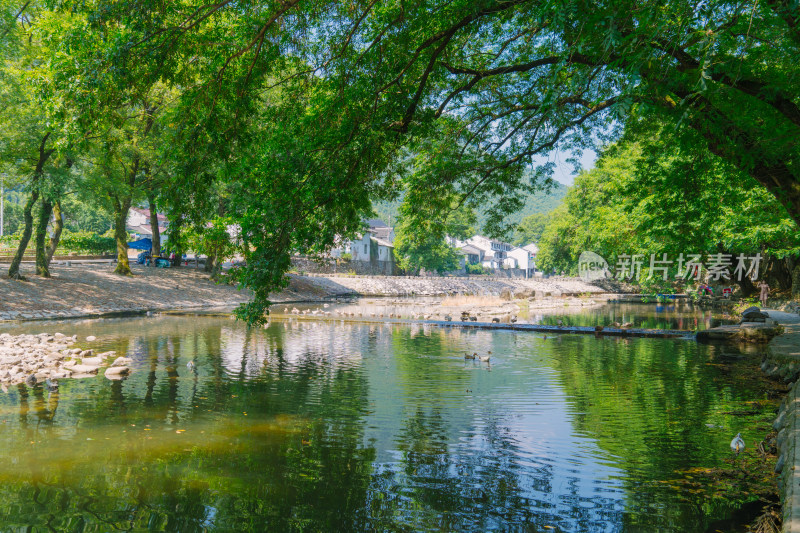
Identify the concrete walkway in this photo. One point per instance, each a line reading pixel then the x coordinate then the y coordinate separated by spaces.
pixel 785 349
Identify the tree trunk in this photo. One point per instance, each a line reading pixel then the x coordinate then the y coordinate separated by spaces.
pixel 778 274
pixel 41 234
pixel 58 226
pixel 796 282
pixel 156 248
pixel 211 259
pixel 175 227
pixel 44 155
pixel 746 286
pixel 13 270
pixel 121 209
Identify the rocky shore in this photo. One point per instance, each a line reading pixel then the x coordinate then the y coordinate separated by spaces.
pixel 34 359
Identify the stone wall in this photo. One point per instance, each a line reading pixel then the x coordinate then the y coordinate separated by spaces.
pixel 344 266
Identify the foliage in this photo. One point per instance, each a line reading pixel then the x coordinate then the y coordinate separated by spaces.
pixel 422 240
pixel 537 204
pixel 477 270
pixel 84 215
pixel 659 191
pixel 308 112
pixel 79 242
pixel 214 240
pixel 530 229
pixel 12 218
pixel 84 242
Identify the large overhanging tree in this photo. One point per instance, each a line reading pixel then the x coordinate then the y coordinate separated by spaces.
pixel 516 79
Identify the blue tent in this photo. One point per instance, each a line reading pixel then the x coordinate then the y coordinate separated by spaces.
pixel 141 244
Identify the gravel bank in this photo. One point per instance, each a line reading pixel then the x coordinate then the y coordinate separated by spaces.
pixel 92 289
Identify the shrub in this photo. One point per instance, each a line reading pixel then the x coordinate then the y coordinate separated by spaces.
pixel 85 242
pixel 476 269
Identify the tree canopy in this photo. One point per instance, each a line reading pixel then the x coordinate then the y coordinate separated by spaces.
pixel 310 109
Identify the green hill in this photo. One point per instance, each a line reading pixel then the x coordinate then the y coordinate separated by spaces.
pixel 536 203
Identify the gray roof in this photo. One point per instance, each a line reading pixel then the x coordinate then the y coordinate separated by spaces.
pixel 381 233
pixel 376 223
pixel 531 248
pixel 470 249
pixel 381 242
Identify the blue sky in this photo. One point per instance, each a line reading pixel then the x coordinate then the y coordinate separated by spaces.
pixel 565 171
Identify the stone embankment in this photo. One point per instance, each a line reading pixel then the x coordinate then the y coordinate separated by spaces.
pixel 33 359
pixel 434 286
pixel 783 360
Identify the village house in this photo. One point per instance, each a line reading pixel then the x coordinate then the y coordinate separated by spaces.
pixel 138 223
pixel 374 246
pixel 494 252
pixel 379 229
pixel 472 254
pixel 524 258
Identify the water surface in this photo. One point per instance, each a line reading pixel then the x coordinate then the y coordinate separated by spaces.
pixel 312 426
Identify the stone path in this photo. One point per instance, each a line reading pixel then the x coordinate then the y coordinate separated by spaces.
pixel 787 347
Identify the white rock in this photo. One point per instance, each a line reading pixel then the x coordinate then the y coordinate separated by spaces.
pixel 117 371
pixel 122 361
pixel 91 338
pixel 84 369
pixel 92 361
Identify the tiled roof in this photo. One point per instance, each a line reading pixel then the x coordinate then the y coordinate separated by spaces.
pixel 381 242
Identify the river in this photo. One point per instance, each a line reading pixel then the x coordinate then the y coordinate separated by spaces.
pixel 335 426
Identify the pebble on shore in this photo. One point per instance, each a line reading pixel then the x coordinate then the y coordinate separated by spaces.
pixel 46 356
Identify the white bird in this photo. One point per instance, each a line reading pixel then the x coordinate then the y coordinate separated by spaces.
pixel 737 444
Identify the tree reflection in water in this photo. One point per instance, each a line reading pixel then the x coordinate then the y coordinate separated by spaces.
pixel 322 427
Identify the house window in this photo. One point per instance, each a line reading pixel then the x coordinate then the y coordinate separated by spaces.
pixel 365 249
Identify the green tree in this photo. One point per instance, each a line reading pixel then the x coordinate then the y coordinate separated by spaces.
pixel 530 229
pixel 659 191
pixel 496 85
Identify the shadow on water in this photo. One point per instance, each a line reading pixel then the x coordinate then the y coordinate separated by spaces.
pixel 347 427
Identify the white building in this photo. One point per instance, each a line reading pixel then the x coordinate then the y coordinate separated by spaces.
pixel 472 254
pixel 494 251
pixel 525 258
pixel 360 247
pixel 381 230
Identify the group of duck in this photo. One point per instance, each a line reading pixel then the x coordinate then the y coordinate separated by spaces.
pixel 474 356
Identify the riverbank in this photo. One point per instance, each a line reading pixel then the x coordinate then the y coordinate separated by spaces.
pixel 783 360
pixel 92 289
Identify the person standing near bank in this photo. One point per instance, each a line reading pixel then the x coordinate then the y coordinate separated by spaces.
pixel 764 292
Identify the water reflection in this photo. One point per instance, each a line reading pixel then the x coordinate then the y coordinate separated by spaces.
pixel 675 314
pixel 344 427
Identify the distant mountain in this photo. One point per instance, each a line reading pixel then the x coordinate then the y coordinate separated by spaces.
pixel 536 203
